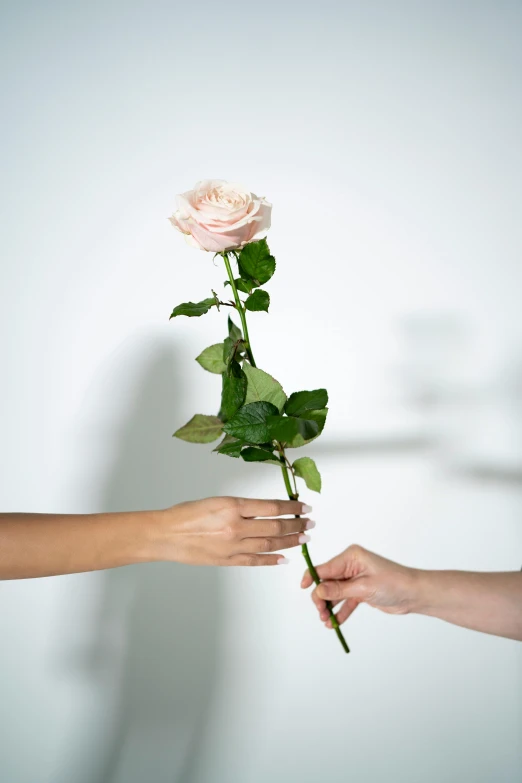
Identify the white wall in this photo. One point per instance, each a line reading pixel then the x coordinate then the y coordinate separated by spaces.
pixel 387 136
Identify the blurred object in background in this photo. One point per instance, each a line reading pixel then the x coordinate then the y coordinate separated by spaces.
pixel 495 449
pixel 473 416
pixel 438 360
pixel 439 377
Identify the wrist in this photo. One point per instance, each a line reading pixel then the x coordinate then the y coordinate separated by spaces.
pixel 423 592
pixel 161 533
pixel 146 534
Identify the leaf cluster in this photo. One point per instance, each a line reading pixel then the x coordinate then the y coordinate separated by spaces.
pixel 256 419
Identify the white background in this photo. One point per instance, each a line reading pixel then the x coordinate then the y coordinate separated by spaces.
pixel 387 136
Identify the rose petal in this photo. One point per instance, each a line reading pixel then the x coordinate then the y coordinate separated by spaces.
pixel 218 215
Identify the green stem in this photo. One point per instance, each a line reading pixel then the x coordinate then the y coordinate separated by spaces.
pixel 240 309
pixel 284 471
pixel 293 495
pixel 333 618
pixel 306 554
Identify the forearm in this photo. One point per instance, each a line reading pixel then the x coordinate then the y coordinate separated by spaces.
pixel 487 602
pixel 35 545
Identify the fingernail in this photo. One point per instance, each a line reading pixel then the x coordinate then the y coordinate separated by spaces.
pixel 306 509
pixel 309 524
pixel 283 561
pixel 304 539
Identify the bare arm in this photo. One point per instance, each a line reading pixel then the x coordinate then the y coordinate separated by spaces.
pixel 215 531
pixel 487 602
pixel 33 545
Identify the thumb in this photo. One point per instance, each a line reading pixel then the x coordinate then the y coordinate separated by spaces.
pixel 341 589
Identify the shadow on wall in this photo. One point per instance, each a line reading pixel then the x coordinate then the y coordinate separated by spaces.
pixel 152 654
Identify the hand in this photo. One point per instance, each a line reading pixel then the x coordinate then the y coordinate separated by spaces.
pixel 358 576
pixel 227 531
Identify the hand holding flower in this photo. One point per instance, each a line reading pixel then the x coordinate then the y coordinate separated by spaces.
pixel 230 531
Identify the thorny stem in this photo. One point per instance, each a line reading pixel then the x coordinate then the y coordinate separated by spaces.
pixel 240 309
pixel 286 466
pixel 306 553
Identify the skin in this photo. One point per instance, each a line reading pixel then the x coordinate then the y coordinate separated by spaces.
pixel 223 531
pixel 486 602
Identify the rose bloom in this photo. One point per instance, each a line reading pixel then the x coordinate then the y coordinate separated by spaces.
pixel 218 215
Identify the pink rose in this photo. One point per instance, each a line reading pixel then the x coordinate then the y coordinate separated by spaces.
pixel 219 215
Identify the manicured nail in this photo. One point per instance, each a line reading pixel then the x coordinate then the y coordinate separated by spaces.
pixel 304 539
pixel 306 509
pixel 309 524
pixel 283 561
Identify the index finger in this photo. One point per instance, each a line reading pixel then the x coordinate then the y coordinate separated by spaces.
pixel 249 508
pixel 307 580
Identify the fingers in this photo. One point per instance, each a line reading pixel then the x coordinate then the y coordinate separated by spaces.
pixel 324 614
pixel 331 591
pixel 307 580
pixel 347 609
pixel 273 544
pixel 321 604
pixel 256 560
pixel 332 569
pixel 259 528
pixel 271 508
pixel 339 590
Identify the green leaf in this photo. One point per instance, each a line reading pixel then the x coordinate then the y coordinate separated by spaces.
pixel 193 308
pixel 229 446
pixel 251 454
pixel 232 350
pixel 228 350
pixel 317 416
pixel 286 428
pixel 233 391
pixel 256 262
pixel 200 429
pixel 247 281
pixel 234 332
pixel 262 387
pixel 211 358
pixel 242 285
pixel 250 423
pixel 259 300
pixel 320 419
pixel 303 401
pixel 306 469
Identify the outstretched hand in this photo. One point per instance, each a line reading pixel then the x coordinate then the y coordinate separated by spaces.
pixel 230 531
pixel 357 576
pixel 221 531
